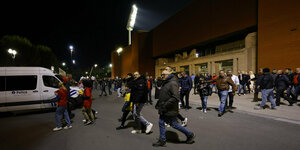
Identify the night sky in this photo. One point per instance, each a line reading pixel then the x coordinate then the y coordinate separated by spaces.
pixel 94 27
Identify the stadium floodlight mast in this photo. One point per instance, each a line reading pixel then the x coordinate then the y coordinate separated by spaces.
pixel 131 22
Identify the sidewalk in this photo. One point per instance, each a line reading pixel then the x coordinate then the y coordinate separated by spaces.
pixel 244 104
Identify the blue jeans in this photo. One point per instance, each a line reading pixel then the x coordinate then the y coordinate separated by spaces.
pixel 139 119
pixel 173 122
pixel 242 87
pixel 267 94
pixel 223 97
pixel 297 92
pixel 62 110
pixel 212 87
pixel 204 101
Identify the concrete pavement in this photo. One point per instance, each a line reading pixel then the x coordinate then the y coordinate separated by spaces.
pixel 233 131
pixel 244 104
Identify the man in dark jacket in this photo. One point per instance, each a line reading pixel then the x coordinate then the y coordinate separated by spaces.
pixel 296 82
pixel 103 87
pixel 266 84
pixel 139 97
pixel 243 81
pixel 109 83
pixel 185 88
pixel 167 106
pixel 282 83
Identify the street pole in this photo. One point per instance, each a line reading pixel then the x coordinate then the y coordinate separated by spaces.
pixel 119 66
pixel 129 37
pixel 91 71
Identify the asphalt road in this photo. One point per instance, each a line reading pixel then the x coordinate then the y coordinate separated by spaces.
pixel 234 131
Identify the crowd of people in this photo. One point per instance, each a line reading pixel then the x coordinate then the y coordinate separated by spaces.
pixel 172 91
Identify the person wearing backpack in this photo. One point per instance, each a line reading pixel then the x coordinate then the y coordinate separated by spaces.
pixel 296 82
pixel 266 84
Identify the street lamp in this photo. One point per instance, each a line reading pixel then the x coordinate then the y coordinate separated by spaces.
pixel 71 50
pixel 119 50
pixel 131 22
pixel 63 64
pixel 73 61
pixel 92 69
pixel 110 65
pixel 12 52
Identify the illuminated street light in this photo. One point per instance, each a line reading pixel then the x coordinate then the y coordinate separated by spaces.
pixel 197 55
pixel 95 65
pixel 12 52
pixel 131 22
pixel 110 65
pixel 86 72
pixel 119 50
pixel 73 61
pixel 63 64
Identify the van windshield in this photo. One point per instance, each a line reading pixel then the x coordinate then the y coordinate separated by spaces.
pixel 50 81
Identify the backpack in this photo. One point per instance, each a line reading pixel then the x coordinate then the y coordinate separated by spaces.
pixel 295 80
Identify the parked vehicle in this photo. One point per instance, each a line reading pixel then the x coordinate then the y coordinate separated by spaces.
pixel 24 88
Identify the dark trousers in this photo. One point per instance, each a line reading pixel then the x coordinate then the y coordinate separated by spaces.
pixel 179 116
pixel 149 96
pixel 103 90
pixel 109 90
pixel 279 94
pixel 124 117
pixel 230 97
pixel 185 94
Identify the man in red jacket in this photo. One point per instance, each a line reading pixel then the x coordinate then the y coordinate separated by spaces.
pixel 87 103
pixel 61 109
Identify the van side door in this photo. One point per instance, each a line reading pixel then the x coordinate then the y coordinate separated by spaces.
pixel 2 94
pixel 22 92
pixel 49 86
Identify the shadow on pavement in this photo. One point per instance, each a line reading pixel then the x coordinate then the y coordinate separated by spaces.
pixel 172 137
pixel 25 113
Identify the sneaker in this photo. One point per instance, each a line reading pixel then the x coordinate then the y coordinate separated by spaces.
pixel 84 120
pixel 136 131
pixel 220 114
pixel 258 108
pixel 159 143
pixel 120 127
pixel 57 129
pixel 184 122
pixel 88 123
pixel 204 110
pixel 190 139
pixel 148 128
pixel 167 125
pixel 67 127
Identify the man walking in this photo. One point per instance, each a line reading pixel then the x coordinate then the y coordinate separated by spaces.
pixel 282 83
pixel 296 82
pixel 186 86
pixel 167 106
pixel 266 84
pixel 139 97
pixel 149 86
pixel 223 83
pixel 235 80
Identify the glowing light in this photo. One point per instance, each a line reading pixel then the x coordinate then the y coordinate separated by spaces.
pixel 131 21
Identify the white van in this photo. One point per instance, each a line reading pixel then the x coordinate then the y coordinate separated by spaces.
pixel 23 88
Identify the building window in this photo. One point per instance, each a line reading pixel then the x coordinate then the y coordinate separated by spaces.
pixel 201 68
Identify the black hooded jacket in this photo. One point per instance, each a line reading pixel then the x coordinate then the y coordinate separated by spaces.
pixel 139 90
pixel 167 104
